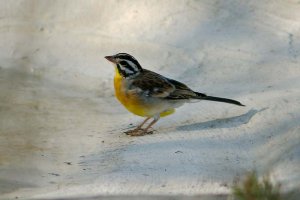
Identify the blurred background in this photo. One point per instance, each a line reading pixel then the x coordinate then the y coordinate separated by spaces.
pixel 61 129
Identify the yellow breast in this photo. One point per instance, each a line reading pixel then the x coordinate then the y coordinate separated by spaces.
pixel 132 101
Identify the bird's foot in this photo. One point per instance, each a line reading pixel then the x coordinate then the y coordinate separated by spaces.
pixel 138 132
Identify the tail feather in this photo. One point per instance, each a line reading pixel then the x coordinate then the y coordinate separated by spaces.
pixel 219 99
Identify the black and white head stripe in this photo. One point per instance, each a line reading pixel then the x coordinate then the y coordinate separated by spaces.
pixel 127 57
pixel 127 65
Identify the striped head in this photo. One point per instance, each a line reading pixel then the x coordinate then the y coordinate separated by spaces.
pixel 126 64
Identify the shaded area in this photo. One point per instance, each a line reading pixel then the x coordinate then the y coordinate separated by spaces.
pixel 229 122
pixel 7 186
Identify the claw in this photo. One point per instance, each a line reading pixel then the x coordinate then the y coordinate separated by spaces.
pixel 138 132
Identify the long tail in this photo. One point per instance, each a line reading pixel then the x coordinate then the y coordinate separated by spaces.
pixel 219 99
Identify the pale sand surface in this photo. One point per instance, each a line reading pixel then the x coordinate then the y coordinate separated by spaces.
pixel 61 129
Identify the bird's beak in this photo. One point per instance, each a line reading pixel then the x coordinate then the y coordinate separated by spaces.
pixel 111 59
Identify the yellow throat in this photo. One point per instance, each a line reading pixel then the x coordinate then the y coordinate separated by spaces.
pixel 132 102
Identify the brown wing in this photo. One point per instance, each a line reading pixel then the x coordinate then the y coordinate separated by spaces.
pixel 156 85
pixel 182 91
pixel 153 84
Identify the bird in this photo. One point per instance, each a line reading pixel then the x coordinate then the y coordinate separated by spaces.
pixel 148 94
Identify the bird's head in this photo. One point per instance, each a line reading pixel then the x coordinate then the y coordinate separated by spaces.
pixel 126 64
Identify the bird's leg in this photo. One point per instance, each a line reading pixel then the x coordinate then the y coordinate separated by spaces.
pixel 140 131
pixel 150 125
pixel 139 127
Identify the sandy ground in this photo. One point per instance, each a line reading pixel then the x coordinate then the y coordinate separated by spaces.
pixel 61 129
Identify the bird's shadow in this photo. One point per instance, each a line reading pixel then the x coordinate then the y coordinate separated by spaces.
pixel 229 122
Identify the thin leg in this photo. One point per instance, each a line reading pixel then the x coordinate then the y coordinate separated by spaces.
pixel 139 127
pixel 140 131
pixel 151 124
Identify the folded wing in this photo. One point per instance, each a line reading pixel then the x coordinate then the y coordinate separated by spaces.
pixel 156 85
